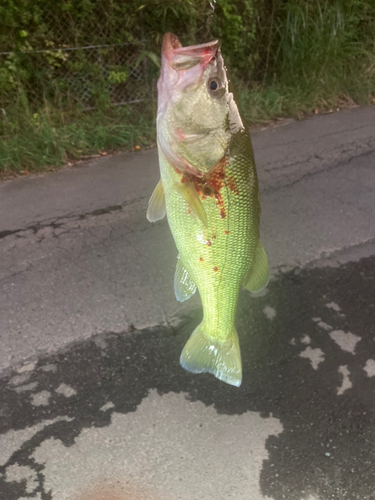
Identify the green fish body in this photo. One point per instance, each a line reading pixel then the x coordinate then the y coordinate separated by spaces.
pixel 209 191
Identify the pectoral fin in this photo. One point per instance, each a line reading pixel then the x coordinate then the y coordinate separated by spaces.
pixel 156 205
pixel 184 286
pixel 258 276
pixel 191 196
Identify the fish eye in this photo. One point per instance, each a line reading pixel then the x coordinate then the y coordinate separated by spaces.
pixel 215 87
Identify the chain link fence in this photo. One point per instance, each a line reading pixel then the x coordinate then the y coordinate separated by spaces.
pixel 71 54
pixel 78 75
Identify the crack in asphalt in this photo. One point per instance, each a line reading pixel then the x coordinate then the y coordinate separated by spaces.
pixel 340 252
pixel 340 154
pixel 55 224
pixel 341 164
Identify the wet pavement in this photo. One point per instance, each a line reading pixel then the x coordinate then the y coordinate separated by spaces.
pixel 309 377
pixel 111 415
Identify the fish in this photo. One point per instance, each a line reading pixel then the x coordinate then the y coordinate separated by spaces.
pixel 209 191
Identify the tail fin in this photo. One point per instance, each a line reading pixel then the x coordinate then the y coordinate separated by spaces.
pixel 204 353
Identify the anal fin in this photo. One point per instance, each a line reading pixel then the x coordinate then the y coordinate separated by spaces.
pixel 156 205
pixel 258 276
pixel 184 286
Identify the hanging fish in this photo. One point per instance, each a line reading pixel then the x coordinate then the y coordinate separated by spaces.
pixel 209 191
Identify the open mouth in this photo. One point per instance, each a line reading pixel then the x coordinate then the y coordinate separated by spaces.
pixel 182 58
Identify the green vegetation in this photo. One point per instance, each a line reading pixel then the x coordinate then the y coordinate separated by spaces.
pixel 50 138
pixel 321 56
pixel 288 57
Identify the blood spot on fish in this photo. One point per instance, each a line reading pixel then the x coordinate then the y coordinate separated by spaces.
pixel 208 191
pixel 215 268
pixel 231 183
pixel 226 232
pixel 211 184
pixel 201 259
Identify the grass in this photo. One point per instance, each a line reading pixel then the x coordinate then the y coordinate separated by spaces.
pixel 319 56
pixel 264 104
pixel 50 138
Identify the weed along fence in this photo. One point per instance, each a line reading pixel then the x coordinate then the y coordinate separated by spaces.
pixel 87 76
pixel 70 56
pixel 78 77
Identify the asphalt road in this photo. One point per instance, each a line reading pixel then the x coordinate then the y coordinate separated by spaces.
pixel 93 402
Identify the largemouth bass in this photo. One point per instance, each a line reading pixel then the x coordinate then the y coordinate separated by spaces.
pixel 209 191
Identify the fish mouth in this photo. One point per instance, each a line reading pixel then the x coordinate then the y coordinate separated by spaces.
pixel 170 42
pixel 182 58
